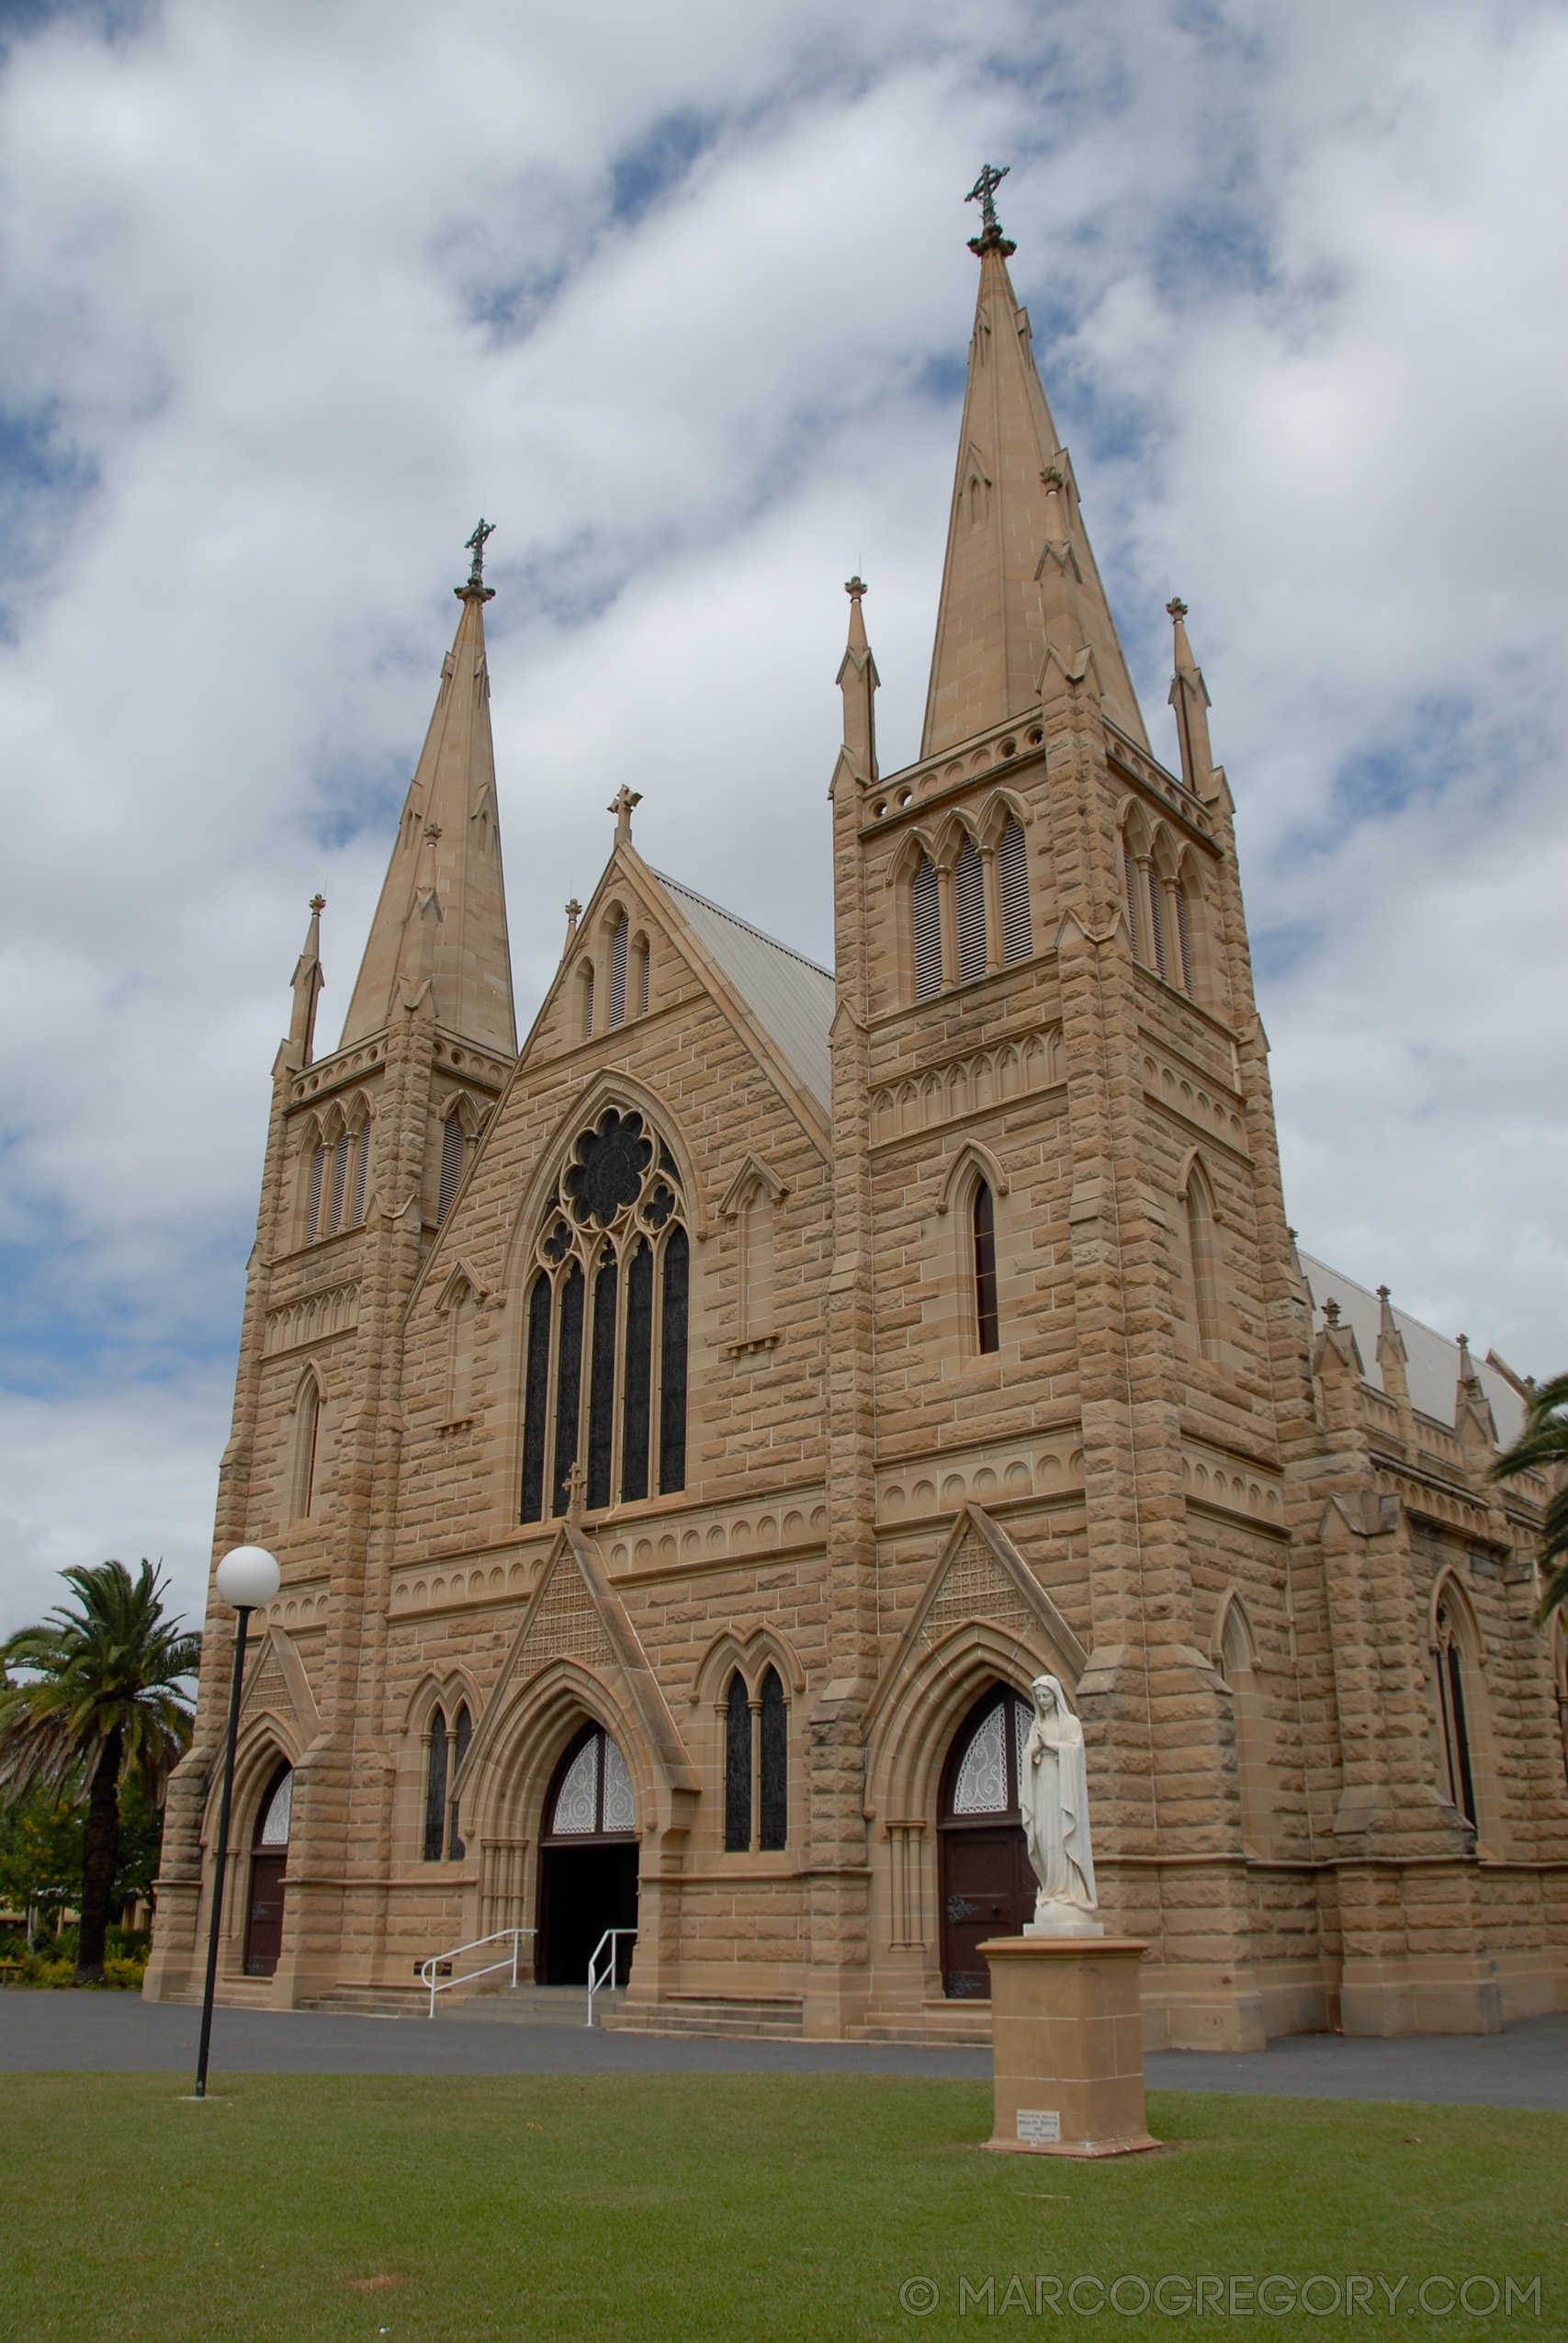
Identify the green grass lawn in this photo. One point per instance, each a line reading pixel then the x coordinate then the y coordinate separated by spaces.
pixel 464 2210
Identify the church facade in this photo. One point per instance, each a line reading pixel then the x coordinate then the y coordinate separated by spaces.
pixel 685 1437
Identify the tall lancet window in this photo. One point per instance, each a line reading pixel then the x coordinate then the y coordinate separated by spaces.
pixel 1013 870
pixel 313 1196
pixel 986 1326
pixel 620 946
pixel 307 1438
pixel 604 1379
pixel 1459 1770
pixel 925 904
pixel 969 911
pixel 436 1789
pixel 737 1767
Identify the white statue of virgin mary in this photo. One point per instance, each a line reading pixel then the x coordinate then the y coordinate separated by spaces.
pixel 1053 1794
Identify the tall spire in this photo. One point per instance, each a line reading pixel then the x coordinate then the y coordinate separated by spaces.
pixel 441 912
pixel 1020 579
pixel 858 682
pixel 307 981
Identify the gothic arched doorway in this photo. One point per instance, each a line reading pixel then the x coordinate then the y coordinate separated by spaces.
pixel 588 1860
pixel 269 1862
pixel 987 1887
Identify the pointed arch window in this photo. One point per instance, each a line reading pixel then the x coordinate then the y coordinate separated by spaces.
pixel 1012 871
pixel 984 1215
pixel 641 958
pixel 969 911
pixel 925 904
pixel 313 1193
pixel 737 1767
pixel 1459 1770
pixel 591 1796
pixel 1201 1263
pixel 435 1788
pixel 307 1437
pixel 756 1765
pixel 607 1333
pixel 585 1015
pixel 1157 923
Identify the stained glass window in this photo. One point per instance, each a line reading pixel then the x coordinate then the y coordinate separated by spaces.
pixel 986 1269
pixel 774 1816
pixel 737 1767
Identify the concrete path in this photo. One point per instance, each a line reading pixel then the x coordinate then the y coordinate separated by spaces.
pixel 1526 2066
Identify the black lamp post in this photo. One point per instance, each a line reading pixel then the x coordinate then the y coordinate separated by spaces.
pixel 246 1577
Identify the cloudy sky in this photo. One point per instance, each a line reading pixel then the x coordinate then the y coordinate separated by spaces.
pixel 678 295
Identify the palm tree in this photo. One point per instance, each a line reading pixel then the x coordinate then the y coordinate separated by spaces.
pixel 1542 1447
pixel 103 1701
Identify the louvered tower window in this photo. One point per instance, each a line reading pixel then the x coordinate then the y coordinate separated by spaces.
pixel 969 906
pixel 1013 870
pixel 1156 924
pixel 340 1177
pixel 618 944
pixel 1132 897
pixel 451 1163
pixel 1182 939
pixel 360 1170
pixel 604 1377
pixel 313 1207
pixel 925 899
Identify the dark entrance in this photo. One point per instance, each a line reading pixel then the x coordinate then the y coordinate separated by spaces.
pixel 588 1861
pixel 987 1887
pixel 269 1861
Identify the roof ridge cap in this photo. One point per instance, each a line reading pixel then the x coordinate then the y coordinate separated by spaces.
pixel 736 920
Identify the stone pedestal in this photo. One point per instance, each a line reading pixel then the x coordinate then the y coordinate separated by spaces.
pixel 1067 2036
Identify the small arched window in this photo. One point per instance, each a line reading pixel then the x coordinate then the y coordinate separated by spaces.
pixel 925 905
pixel 451 1163
pixel 987 1326
pixel 1459 1771
pixel 340 1153
pixel 641 958
pixel 591 1796
pixel 737 1767
pixel 462 1734
pixel 586 1014
pixel 604 1376
pixel 1157 922
pixel 307 1434
pixel 1012 872
pixel 969 911
pixel 1238 1663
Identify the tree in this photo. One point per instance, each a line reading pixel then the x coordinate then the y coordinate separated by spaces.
pixel 1542 1447
pixel 40 1856
pixel 103 1702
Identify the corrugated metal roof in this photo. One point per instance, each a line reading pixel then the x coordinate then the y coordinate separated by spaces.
pixel 1431 1362
pixel 789 995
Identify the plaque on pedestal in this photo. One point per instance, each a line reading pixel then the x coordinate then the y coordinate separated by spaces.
pixel 1067 2045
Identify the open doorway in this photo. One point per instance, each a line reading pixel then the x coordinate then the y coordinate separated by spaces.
pixel 588 1861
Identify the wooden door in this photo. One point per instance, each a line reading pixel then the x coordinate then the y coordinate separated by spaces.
pixel 987 1889
pixel 263 1920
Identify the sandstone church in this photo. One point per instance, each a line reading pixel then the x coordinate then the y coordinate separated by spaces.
pixel 685 1437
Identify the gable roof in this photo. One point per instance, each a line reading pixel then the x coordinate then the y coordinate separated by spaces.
pixel 1431 1367
pixel 789 995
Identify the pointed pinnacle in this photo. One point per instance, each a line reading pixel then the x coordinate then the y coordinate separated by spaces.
pixel 318 904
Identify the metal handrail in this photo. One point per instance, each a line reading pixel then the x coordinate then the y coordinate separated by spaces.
pixel 597 1982
pixel 428 1968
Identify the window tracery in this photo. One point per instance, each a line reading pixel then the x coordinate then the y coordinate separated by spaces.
pixel 447 1747
pixel 604 1377
pixel 756 1765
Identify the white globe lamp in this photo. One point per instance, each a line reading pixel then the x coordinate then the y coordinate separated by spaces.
pixel 247 1577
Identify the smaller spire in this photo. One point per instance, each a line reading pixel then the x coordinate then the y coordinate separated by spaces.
pixel 858 681
pixel 1473 1409
pixel 1392 1354
pixel 574 913
pixel 984 192
pixel 307 981
pixel 621 805
pixel 1190 698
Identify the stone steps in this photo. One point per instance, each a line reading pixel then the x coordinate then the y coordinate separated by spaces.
pixel 761 2018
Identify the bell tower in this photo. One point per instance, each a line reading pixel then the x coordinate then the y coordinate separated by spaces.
pixel 1070 1257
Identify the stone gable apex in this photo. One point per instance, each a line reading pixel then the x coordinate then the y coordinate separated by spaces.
pixel 575 1614
pixel 276 1679
pixel 978 1577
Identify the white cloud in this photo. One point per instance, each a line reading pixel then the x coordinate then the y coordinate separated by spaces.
pixel 287 295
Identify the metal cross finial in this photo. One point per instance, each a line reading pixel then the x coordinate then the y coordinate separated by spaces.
pixel 983 192
pixel 318 904
pixel 476 546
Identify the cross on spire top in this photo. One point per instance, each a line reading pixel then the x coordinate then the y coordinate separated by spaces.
pixel 476 546
pixel 984 192
pixel 621 805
